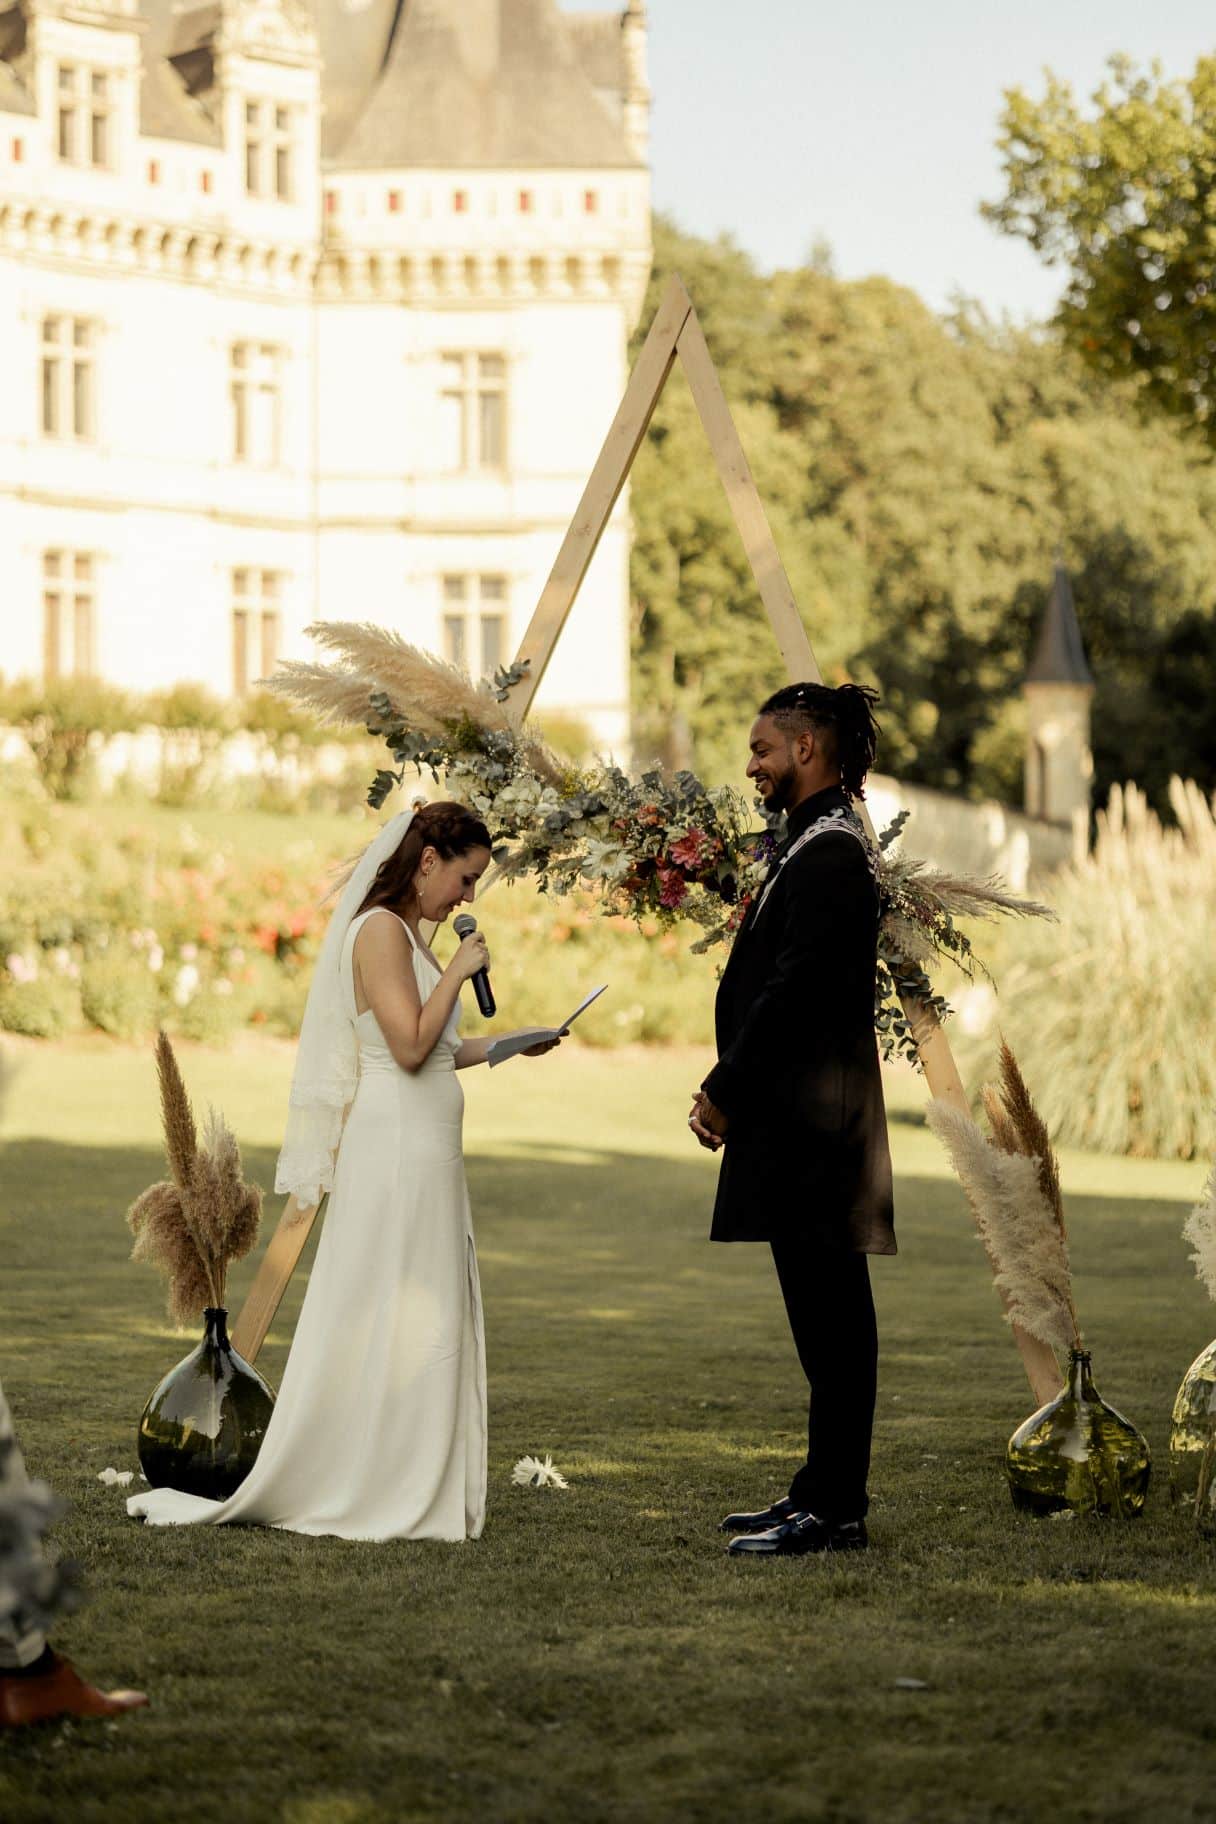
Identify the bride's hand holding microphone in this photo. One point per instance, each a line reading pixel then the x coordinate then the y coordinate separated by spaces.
pixel 472 961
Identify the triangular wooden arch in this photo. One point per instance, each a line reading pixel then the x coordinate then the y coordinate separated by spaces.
pixel 674 332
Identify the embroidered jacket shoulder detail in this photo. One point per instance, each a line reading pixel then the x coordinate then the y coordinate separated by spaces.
pixel 843 820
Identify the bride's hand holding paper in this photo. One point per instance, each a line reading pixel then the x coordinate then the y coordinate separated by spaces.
pixel 535 1041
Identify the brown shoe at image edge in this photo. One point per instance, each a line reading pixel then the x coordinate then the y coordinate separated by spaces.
pixel 59 1692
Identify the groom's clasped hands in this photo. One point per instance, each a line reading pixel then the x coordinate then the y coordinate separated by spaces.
pixel 707 1122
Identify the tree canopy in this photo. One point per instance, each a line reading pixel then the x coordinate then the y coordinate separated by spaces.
pixel 921 474
pixel 1124 199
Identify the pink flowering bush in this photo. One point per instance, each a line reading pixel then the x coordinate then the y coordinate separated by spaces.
pixel 106 927
pixel 118 922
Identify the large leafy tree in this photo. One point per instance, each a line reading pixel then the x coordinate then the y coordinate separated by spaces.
pixel 1122 196
pixel 921 475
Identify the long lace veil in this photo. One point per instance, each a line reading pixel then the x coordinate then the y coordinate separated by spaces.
pixel 327 1060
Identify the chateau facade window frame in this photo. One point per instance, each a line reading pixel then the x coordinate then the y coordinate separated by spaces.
pixel 67 408
pixel 84 116
pixel 270 145
pixel 69 614
pixel 255 395
pixel 257 624
pixel 476 613
pixel 474 411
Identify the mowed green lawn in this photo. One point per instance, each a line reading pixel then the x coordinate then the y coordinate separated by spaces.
pixel 596 1656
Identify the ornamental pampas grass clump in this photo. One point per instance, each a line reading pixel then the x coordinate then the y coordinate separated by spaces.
pixel 1012 1183
pixel 1113 1009
pixel 1200 1230
pixel 192 1225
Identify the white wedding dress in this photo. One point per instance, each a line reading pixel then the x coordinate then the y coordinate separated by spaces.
pixel 379 1430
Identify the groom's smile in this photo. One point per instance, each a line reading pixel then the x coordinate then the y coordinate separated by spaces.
pixel 771 767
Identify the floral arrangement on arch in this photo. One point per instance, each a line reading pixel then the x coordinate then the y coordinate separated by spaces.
pixel 670 848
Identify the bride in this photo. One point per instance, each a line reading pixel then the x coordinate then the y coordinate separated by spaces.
pixel 379 1431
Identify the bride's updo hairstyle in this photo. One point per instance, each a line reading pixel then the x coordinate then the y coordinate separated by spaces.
pixel 843 718
pixel 447 828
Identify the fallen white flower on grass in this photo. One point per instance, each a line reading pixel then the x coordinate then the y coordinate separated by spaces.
pixel 530 1472
pixel 115 1476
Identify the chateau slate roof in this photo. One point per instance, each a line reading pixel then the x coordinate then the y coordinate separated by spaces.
pixel 416 84
pixel 480 84
pixel 15 98
pixel 598 45
pixel 167 110
pixel 1059 655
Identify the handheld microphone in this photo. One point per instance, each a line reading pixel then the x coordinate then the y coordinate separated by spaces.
pixel 464 926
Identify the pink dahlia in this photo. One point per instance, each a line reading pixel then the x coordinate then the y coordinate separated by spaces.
pixel 673 888
pixel 689 852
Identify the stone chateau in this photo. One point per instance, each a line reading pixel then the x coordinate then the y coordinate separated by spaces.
pixel 313 310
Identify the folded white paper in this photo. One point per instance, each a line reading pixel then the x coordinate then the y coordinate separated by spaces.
pixel 511 1046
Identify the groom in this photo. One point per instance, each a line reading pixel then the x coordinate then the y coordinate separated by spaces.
pixel 796 1100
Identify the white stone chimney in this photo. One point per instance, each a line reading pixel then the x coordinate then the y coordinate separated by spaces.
pixel 636 97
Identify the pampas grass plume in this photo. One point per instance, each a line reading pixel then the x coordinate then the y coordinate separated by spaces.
pixel 177 1117
pixel 1031 1132
pixel 192 1226
pixel 333 693
pixel 1004 1133
pixel 164 1238
pixel 240 1200
pixel 423 690
pixel 431 692
pixel 1018 1227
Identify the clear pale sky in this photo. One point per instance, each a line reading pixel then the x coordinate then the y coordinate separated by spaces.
pixel 873 124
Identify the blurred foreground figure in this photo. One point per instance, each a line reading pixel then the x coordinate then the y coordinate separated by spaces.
pixel 36 1683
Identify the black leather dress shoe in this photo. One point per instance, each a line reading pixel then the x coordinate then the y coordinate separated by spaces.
pixel 759 1523
pixel 802 1533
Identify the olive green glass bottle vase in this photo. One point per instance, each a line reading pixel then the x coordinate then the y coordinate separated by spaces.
pixel 1193 1441
pixel 203 1427
pixel 1078 1454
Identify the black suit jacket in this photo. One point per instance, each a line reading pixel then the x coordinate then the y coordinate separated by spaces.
pixel 798 1071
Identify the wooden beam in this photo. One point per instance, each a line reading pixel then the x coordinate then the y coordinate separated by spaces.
pixel 745 503
pixel 937 1059
pixel 272 1279
pixel 600 495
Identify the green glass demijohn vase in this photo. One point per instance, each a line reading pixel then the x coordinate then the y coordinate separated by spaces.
pixel 203 1427
pixel 1077 1453
pixel 1193 1441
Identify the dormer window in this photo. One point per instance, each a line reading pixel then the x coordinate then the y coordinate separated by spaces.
pixel 86 101
pixel 269 136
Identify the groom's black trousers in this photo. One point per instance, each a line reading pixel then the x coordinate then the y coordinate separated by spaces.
pixel 831 1312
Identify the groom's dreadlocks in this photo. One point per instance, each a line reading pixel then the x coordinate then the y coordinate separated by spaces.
pixel 844 717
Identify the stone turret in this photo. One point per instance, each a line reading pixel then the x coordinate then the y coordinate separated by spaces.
pixel 1059 688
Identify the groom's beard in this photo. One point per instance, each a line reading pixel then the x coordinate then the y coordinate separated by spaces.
pixel 784 786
